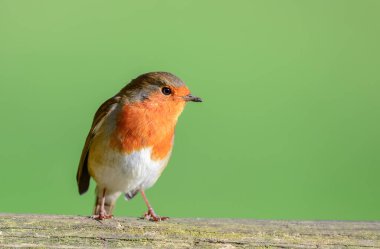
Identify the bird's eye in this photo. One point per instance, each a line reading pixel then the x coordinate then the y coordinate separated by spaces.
pixel 166 90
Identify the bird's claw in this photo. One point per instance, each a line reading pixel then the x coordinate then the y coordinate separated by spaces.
pixel 152 216
pixel 102 216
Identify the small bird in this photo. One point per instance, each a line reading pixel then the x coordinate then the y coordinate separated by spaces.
pixel 131 140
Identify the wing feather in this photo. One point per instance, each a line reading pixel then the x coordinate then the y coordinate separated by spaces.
pixel 83 176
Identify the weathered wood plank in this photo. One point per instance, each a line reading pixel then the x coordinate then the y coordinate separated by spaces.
pixel 53 231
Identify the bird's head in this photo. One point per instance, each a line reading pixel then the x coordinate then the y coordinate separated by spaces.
pixel 159 87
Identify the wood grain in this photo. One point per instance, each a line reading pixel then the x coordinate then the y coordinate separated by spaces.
pixel 56 231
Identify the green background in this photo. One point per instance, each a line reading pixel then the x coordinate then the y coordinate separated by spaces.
pixel 290 124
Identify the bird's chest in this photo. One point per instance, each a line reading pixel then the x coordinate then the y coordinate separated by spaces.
pixel 129 156
pixel 124 171
pixel 144 127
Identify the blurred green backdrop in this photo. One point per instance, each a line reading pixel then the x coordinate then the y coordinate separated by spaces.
pixel 290 124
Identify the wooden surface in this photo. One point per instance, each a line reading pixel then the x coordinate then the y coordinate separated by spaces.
pixel 52 231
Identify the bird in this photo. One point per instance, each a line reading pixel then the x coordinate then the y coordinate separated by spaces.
pixel 131 140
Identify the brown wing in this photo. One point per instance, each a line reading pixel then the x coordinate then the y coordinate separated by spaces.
pixel 83 176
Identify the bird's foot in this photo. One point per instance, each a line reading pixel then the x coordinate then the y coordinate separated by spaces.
pixel 152 216
pixel 102 216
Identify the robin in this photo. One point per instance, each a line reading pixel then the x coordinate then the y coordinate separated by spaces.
pixel 131 140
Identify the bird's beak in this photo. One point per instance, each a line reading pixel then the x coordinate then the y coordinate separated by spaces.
pixel 190 97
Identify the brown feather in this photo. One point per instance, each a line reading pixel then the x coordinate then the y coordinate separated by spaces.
pixel 83 176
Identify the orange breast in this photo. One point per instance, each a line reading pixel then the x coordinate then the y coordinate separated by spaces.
pixel 148 124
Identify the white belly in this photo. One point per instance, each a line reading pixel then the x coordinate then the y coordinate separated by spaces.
pixel 121 172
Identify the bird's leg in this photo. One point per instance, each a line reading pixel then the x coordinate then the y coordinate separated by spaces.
pixel 150 214
pixel 100 212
